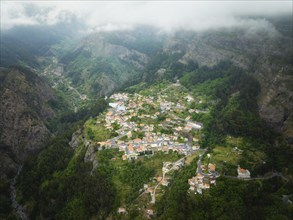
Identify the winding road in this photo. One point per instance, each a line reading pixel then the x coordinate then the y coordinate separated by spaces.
pixel 265 177
pixel 153 195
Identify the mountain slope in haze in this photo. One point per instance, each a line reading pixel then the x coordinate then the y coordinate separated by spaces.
pixel 102 62
pixel 264 52
pixel 25 45
pixel 27 105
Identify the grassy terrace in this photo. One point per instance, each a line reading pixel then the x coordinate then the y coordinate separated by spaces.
pixel 190 158
pixel 96 132
pixel 128 177
pixel 156 162
pixel 236 151
pixel 225 159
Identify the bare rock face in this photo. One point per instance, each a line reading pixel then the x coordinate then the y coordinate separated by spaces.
pixel 75 139
pixel 24 110
pixel 106 85
pixel 90 155
pixel 276 98
pixel 98 46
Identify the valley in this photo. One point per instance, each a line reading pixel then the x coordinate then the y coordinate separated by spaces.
pixel 54 72
pixel 145 120
pixel 143 142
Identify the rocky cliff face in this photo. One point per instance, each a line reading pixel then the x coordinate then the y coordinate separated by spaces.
pixel 99 45
pixel 266 53
pixel 24 111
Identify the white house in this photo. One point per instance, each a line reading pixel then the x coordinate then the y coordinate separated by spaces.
pixel 243 173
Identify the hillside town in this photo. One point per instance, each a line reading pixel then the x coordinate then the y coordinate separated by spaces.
pixel 141 133
pixel 145 125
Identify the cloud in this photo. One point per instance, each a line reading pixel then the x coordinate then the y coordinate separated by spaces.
pixel 115 15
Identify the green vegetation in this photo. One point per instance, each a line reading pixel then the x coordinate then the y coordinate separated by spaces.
pixel 96 132
pixel 136 88
pixel 58 183
pixel 129 177
pixel 94 75
pixel 230 199
pixel 135 174
pixel 226 97
pixel 68 119
pixel 230 120
pixel 46 185
pixel 233 121
pixel 137 134
pixel 156 162
pixel 143 42
pixel 6 211
pixel 231 94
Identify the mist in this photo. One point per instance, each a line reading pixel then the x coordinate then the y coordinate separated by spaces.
pixel 165 15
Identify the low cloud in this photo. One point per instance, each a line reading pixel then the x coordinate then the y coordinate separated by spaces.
pixel 166 15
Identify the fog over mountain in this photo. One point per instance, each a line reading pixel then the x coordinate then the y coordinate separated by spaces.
pixel 116 15
pixel 146 109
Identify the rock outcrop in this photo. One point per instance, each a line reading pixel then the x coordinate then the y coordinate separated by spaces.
pixel 24 112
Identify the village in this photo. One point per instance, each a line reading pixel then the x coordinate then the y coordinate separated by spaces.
pixel 137 138
pixel 145 125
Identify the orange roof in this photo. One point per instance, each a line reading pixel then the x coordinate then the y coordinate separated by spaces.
pixel 136 140
pixel 130 147
pixel 241 170
pixel 159 178
pixel 199 175
pixel 212 167
pixel 165 148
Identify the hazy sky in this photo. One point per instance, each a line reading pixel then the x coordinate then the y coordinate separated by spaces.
pixel 168 15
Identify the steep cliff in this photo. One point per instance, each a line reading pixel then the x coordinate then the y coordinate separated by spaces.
pixel 27 104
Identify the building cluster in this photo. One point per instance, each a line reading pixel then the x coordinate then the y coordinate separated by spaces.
pixel 169 166
pixel 202 181
pixel 167 105
pixel 120 117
